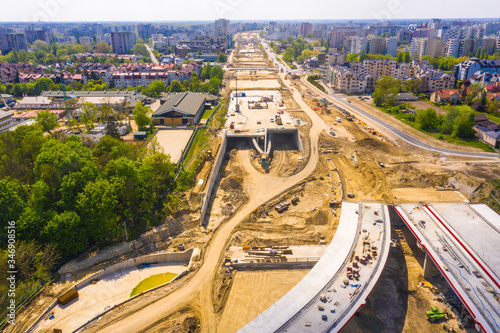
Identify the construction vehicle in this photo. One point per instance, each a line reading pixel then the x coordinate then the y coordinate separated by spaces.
pixel 434 314
pixel 279 121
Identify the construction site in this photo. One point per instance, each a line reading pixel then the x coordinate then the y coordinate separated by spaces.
pixel 299 223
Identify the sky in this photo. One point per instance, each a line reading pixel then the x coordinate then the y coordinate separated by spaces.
pixel 208 10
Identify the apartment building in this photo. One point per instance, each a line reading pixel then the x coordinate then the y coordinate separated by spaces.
pixel 361 77
pixel 466 69
pixel 123 41
pixel 13 41
pixel 426 46
pixel 86 40
pixel 305 28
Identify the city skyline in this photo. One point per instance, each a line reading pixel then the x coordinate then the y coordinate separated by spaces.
pixel 112 11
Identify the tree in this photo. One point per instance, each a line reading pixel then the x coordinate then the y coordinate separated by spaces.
pixel 288 54
pixel 222 57
pixel 102 47
pixel 141 116
pixel 155 89
pixel 427 119
pixel 205 72
pixel 66 232
pixel 463 126
pixel 48 121
pixel 386 91
pixel 176 86
pixel 413 85
pixel 218 72
pixel 43 84
pixel 88 115
pixel 112 128
pixel 213 85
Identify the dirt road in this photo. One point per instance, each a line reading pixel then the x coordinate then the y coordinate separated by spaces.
pixel 199 287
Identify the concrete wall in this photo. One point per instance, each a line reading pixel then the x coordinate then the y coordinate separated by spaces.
pixel 158 257
pixel 213 177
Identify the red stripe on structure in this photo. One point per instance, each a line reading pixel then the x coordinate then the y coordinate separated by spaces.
pixel 463 245
pixel 437 265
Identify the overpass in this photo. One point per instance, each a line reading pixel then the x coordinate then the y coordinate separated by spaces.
pixel 338 285
pixel 463 242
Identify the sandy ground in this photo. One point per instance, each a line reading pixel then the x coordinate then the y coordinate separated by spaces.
pixel 254 292
pixel 408 129
pixel 424 105
pixel 173 142
pixel 262 84
pixel 95 298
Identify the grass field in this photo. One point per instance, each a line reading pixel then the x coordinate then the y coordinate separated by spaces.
pixel 207 113
pixel 468 109
pixel 151 282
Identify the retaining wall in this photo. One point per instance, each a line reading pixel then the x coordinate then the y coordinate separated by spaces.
pixel 158 257
pixel 213 177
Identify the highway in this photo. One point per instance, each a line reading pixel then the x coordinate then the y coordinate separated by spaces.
pixel 397 132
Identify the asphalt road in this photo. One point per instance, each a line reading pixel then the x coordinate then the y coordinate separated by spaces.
pixel 406 137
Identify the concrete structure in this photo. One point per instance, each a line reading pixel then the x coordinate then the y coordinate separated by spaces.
pixel 426 46
pixel 123 41
pixel 322 301
pixel 5 120
pixel 180 109
pixel 13 41
pixel 86 40
pixel 305 28
pixel 463 241
pixel 112 288
pixel 466 69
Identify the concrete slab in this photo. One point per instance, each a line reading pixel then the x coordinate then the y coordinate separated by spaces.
pixel 108 291
pixel 174 142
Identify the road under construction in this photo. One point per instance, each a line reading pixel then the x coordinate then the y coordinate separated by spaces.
pixel 346 196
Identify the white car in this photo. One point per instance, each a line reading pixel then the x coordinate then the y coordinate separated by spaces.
pixel 258 130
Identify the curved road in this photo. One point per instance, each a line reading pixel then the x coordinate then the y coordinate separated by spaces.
pixel 198 289
pixel 406 137
pixel 397 132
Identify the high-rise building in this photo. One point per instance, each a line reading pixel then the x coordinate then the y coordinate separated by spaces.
pixel 13 41
pixel 305 28
pixel 376 45
pixel 452 47
pixel 221 28
pixel 33 34
pixel 426 46
pixel 86 40
pixel 391 46
pixel 123 41
pixel 144 31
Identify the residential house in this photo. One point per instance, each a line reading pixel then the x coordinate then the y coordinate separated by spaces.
pixel 445 96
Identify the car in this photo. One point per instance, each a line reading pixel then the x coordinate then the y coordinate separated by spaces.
pixel 282 127
pixel 272 120
pixel 332 133
pixel 258 130
pixel 263 130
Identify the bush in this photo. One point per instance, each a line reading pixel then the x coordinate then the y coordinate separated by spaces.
pixel 312 78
